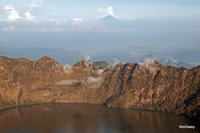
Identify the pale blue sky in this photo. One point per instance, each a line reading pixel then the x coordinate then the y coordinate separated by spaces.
pixel 74 24
pixel 89 9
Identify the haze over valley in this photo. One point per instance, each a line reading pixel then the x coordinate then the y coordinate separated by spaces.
pixel 104 31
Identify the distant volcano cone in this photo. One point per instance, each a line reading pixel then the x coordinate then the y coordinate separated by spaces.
pixel 109 18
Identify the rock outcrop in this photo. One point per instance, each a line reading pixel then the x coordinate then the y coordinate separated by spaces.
pixel 147 85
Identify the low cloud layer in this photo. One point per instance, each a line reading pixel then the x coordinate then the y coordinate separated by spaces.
pixel 90 82
pixel 135 54
pixel 9 29
pixel 58 21
pixel 77 21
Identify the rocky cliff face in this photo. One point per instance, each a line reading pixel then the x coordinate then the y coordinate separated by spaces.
pixel 147 85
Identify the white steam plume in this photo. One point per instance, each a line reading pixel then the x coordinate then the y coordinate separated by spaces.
pixel 67 68
pixel 87 57
pixel 148 64
pixel 116 61
pixel 68 82
pixel 93 80
pixel 99 71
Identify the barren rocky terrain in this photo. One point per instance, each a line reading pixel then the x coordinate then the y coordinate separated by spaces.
pixel 146 85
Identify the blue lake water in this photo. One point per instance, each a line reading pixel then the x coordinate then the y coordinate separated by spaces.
pixel 84 118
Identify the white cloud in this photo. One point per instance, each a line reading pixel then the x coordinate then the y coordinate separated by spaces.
pixel 29 17
pixel 77 21
pixel 57 29
pixel 44 29
pixel 9 29
pixel 58 21
pixel 13 15
pixel 107 11
pixel 33 4
pixel 36 1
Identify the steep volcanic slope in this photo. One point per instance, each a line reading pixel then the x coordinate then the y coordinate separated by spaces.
pixel 166 89
pixel 30 82
pixel 147 85
pixel 20 77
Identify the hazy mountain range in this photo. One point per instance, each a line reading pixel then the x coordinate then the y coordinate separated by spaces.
pixel 104 39
pixel 65 56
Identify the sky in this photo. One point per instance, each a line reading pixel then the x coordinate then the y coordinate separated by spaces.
pixel 43 10
pixel 169 26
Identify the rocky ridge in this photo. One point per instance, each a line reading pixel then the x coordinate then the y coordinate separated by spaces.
pixel 147 85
